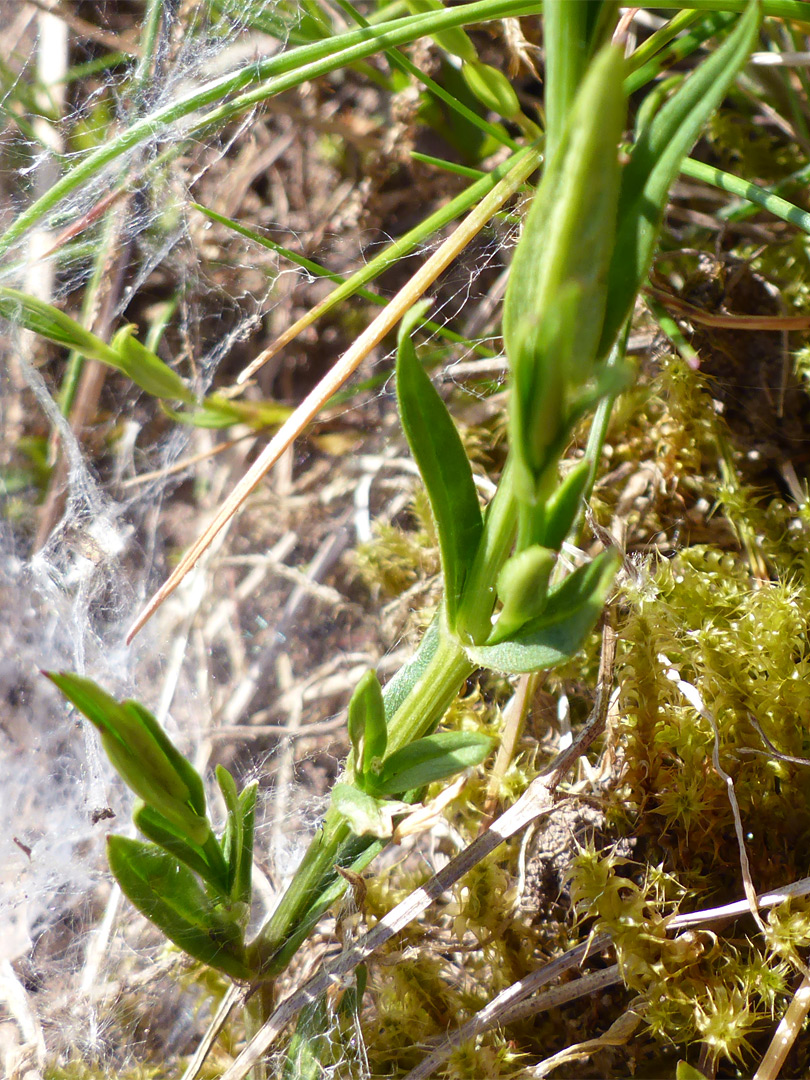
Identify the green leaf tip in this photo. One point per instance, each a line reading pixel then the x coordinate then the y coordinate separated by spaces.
pixel 142 754
pixel 125 352
pixel 555 302
pixel 443 464
pixel 432 758
pixel 171 897
pixel 368 730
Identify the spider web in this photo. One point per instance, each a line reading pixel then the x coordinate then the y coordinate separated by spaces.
pixel 69 603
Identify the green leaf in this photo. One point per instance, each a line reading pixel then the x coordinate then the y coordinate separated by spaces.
pixel 311 1045
pixel 443 464
pixel 142 754
pixel 555 301
pixel 181 766
pixel 685 1071
pixel 125 353
pixel 455 40
pixel 237 840
pixel 170 896
pixel 563 506
pixel 491 87
pixel 569 230
pixel 242 889
pixel 218 412
pixel 432 758
pixel 368 730
pixel 570 616
pixel 655 161
pixel 571 34
pixel 367 815
pixel 399 688
pixel 232 837
pixel 165 834
pixel 146 369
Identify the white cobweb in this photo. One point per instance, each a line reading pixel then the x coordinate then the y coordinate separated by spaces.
pixel 68 605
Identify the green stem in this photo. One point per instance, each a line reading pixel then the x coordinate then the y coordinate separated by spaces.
pixel 317 884
pixel 474 616
pixel 745 189
pixel 599 429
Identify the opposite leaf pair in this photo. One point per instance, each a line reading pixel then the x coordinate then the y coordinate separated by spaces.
pixel 194 887
pixel 372 779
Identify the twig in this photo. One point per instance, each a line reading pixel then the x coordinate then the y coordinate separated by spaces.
pixel 739 907
pixel 692 695
pixel 785 1035
pixel 505 1007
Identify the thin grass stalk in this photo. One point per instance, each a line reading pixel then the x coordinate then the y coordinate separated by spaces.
pixel 279 73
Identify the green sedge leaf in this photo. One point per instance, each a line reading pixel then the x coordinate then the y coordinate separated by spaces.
pixel 455 41
pixel 560 632
pixel 125 353
pixel 432 758
pixel 367 815
pixel 443 464
pixel 165 834
pixel 368 730
pixel 170 896
pixel 655 162
pixel 146 369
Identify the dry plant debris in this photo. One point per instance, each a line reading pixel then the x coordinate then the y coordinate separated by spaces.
pixel 628 890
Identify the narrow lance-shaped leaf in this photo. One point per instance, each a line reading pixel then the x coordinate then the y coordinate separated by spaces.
pixel 432 758
pixel 170 896
pixel 125 353
pixel 162 832
pixel 443 464
pixel 242 889
pixel 655 161
pixel 563 505
pixel 143 755
pixel 555 300
pixel 570 228
pixel 232 837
